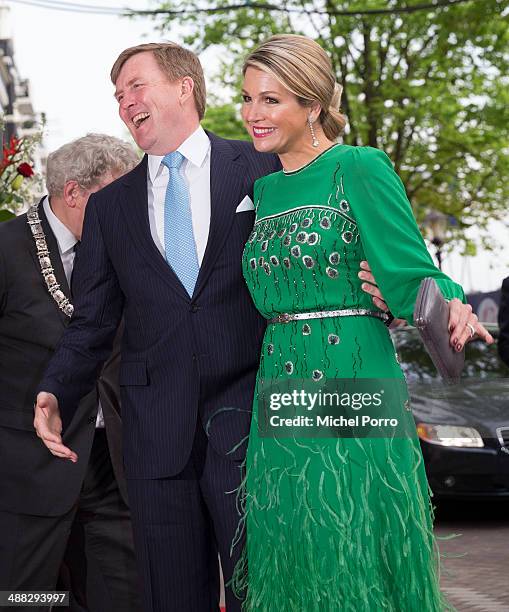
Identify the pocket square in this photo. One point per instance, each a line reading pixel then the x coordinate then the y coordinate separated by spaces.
pixel 246 204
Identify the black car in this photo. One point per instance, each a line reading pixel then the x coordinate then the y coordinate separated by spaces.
pixel 464 428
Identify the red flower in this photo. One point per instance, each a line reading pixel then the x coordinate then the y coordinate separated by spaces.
pixel 25 170
pixel 14 142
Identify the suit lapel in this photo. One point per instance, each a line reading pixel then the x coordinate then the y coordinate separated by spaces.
pixel 136 212
pixel 56 262
pixel 227 175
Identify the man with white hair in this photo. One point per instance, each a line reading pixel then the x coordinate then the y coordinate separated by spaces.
pixel 42 498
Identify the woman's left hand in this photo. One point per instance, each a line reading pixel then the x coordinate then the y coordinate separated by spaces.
pixel 464 325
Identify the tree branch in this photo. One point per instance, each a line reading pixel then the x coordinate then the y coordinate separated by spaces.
pixel 438 4
pixel 369 89
pixel 311 15
pixel 383 51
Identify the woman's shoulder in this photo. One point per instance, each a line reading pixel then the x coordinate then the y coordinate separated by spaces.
pixel 363 158
pixel 266 180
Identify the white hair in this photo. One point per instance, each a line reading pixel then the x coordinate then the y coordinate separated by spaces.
pixel 87 160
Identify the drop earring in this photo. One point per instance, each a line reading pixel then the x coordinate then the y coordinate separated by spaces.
pixel 313 135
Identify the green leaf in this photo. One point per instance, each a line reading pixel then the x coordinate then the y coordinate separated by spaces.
pixel 5 215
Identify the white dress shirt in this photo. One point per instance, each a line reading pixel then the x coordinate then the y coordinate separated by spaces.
pixel 195 169
pixel 66 241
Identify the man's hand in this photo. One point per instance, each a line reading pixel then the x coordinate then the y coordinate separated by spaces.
pixel 48 424
pixel 371 287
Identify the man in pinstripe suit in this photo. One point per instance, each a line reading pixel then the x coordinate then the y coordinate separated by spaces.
pixel 191 344
pixel 188 361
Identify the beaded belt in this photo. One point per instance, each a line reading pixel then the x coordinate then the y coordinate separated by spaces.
pixel 286 317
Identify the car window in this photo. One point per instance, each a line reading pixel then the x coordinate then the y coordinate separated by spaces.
pixel 481 361
pixel 414 360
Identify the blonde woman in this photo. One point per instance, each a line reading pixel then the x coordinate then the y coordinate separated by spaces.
pixel 332 523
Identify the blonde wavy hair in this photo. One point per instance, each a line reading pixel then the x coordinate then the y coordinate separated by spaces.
pixel 303 67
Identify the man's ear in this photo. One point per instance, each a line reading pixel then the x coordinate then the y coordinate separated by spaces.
pixel 71 193
pixel 186 88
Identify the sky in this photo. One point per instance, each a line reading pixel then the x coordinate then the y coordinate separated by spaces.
pixel 67 58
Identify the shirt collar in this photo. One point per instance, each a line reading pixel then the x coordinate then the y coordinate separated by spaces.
pixel 194 149
pixel 65 238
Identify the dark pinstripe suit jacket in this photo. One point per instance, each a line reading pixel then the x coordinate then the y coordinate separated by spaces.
pixel 181 357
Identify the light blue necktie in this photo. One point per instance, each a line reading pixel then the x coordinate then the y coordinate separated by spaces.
pixel 179 244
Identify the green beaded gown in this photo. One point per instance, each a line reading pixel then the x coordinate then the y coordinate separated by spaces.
pixel 335 524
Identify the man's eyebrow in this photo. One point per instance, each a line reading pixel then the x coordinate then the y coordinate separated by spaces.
pixel 118 92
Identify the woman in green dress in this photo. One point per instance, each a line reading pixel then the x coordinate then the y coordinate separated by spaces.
pixel 345 523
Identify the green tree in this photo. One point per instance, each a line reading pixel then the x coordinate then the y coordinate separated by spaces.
pixel 427 86
pixel 224 119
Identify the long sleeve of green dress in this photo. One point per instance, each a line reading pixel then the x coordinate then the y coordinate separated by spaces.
pixel 389 234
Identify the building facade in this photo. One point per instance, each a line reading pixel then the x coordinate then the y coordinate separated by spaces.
pixel 19 116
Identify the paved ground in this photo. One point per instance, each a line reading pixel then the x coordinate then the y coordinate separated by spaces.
pixel 475 571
